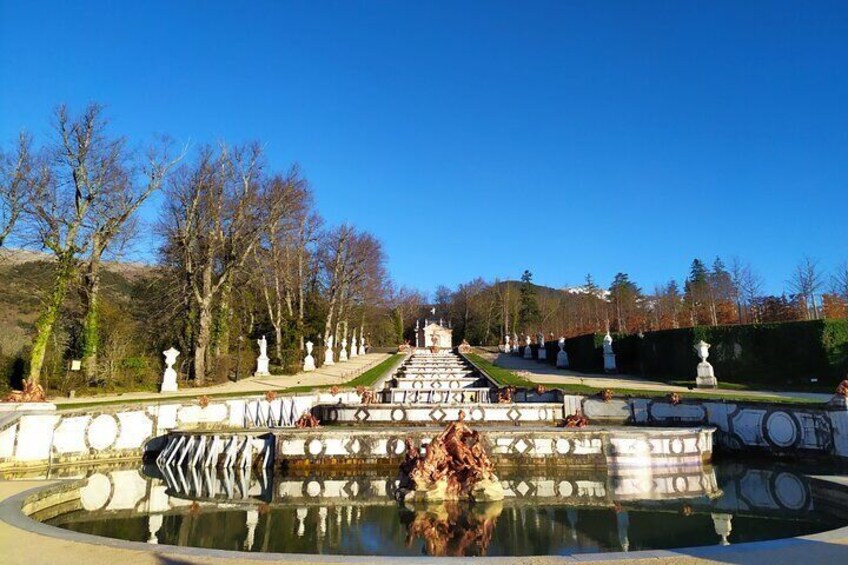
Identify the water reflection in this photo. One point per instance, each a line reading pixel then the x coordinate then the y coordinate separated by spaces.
pixel 555 514
pixel 452 529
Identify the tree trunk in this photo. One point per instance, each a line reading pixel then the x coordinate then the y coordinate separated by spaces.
pixel 91 322
pixel 45 322
pixel 222 321
pixel 201 344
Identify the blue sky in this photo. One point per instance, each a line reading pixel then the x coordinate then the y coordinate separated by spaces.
pixel 483 138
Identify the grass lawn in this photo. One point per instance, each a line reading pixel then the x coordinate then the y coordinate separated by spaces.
pixel 505 377
pixel 367 378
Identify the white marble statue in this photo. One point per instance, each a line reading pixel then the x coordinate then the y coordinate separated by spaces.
pixel 362 341
pixel 540 340
pixel 262 361
pixel 353 350
pixel 609 354
pixel 328 352
pixel 309 360
pixel 528 353
pixel 706 376
pixel 343 351
pixel 562 356
pixel 169 379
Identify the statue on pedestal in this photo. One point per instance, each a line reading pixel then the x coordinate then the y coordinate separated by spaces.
pixel 309 360
pixel 528 352
pixel 169 379
pixel 540 340
pixel 328 352
pixel 562 356
pixel 706 377
pixel 609 354
pixel 262 361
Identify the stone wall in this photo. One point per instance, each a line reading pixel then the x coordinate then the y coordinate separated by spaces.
pixel 48 438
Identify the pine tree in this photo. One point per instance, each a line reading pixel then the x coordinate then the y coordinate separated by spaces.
pixel 528 312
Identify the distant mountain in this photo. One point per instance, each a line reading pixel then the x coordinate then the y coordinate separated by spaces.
pixel 24 275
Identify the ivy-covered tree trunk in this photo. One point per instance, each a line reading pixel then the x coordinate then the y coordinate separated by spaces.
pixel 91 322
pixel 47 319
pixel 223 315
pixel 201 344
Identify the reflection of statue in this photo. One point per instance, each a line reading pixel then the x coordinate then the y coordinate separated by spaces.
pixel 451 530
pixel 454 467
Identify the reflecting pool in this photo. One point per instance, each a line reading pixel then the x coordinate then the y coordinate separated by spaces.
pixel 558 513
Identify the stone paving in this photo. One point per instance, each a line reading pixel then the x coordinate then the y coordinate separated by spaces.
pixel 543 373
pixel 337 374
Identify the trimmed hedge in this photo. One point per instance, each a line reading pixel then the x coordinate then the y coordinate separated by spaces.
pixel 789 353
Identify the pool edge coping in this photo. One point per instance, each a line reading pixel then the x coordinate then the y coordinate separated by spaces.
pixel 11 513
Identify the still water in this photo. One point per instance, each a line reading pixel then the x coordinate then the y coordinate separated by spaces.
pixel 557 514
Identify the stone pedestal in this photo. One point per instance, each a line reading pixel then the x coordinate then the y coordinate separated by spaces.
pixel 169 379
pixel 528 352
pixel 262 363
pixel 562 359
pixel 706 377
pixel 309 360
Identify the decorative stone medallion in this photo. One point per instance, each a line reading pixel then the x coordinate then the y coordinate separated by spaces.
pixel 102 431
pixel 563 446
pixel 780 429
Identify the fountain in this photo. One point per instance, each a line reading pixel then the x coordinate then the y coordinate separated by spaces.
pixel 454 466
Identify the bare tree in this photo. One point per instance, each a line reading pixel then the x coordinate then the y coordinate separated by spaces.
pixel 839 281
pixel 746 287
pixel 281 259
pixel 84 168
pixel 806 280
pixel 16 175
pixel 219 207
pixel 125 188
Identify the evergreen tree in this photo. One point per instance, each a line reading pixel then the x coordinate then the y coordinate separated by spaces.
pixel 528 311
pixel 624 297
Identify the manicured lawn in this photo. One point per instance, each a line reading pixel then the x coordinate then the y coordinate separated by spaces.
pixel 501 376
pixel 367 378
pixel 505 377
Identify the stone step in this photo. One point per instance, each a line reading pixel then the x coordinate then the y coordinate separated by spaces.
pixel 436 384
pixel 418 414
pixel 448 396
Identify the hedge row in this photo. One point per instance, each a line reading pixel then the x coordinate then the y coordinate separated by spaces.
pixel 788 353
